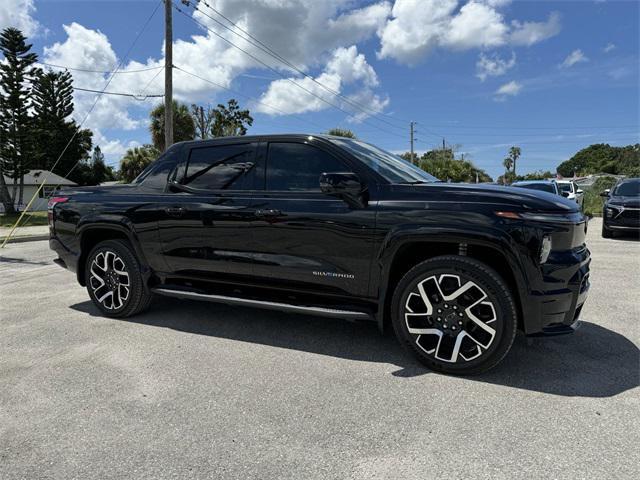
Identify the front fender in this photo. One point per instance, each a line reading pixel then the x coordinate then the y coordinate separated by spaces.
pixel 487 236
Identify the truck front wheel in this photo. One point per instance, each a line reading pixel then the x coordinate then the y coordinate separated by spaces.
pixel 456 314
pixel 114 281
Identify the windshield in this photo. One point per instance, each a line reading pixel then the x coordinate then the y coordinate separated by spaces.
pixel 392 167
pixel 628 189
pixel 565 187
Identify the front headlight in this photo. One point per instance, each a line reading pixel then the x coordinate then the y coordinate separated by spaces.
pixel 545 248
pixel 611 211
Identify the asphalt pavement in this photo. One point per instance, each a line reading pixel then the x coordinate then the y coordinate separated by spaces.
pixel 198 390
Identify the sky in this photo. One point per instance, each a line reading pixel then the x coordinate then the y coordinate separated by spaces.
pixel 551 77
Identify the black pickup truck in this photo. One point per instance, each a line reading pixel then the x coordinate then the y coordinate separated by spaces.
pixel 333 227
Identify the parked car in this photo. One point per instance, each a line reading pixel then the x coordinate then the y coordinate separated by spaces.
pixel 550 186
pixel 570 190
pixel 333 227
pixel 621 210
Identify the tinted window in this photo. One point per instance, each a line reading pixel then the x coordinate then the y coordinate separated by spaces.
pixel 628 189
pixel 296 166
pixel 224 167
pixel 156 175
pixel 545 187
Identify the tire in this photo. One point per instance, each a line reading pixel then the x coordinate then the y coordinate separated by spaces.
pixel 467 323
pixel 114 281
pixel 606 232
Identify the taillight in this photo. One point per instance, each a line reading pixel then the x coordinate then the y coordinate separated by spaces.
pixel 53 201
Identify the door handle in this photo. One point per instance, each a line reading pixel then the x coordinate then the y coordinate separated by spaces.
pixel 269 212
pixel 175 211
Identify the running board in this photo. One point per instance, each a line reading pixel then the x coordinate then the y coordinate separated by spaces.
pixel 247 302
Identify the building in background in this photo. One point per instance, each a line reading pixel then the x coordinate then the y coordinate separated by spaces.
pixel 32 181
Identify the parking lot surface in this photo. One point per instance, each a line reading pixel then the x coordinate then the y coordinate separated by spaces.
pixel 198 390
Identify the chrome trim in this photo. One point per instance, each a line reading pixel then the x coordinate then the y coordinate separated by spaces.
pixel 248 302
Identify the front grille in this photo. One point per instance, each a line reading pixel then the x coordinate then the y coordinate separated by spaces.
pixel 630 217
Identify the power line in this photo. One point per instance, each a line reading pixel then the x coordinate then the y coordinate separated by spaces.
pixel 104 72
pixel 235 92
pixel 277 72
pixel 102 92
pixel 265 48
pixel 118 66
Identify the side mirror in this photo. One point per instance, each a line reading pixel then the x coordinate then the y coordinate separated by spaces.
pixel 579 191
pixel 606 193
pixel 345 185
pixel 566 194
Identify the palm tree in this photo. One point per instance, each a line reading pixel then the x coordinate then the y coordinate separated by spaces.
pixel 514 154
pixel 183 125
pixel 136 160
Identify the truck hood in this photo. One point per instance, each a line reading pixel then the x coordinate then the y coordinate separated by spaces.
pixel 520 198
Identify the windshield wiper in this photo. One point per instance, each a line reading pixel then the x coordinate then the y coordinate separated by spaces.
pixel 414 182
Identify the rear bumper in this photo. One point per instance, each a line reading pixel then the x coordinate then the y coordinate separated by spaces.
pixel 66 258
pixel 556 309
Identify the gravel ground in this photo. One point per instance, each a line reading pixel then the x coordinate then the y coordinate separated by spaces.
pixel 210 391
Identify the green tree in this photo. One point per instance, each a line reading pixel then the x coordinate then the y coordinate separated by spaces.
pixel 230 121
pixel 136 160
pixel 342 132
pixel 441 163
pixel 603 158
pixel 183 125
pixel 93 171
pixel 15 101
pixel 59 143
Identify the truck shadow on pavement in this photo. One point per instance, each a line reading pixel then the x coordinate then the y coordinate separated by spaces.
pixel 593 362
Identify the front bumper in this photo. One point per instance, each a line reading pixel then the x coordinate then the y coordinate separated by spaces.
pixel 623 219
pixel 556 309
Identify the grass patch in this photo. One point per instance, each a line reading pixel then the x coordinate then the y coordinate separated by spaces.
pixel 30 219
pixel 592 200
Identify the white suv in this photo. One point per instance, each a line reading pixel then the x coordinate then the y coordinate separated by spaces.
pixel 571 191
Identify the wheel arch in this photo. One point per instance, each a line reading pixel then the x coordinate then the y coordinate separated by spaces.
pixel 92 234
pixel 401 255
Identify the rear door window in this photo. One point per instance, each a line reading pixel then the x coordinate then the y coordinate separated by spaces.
pixel 221 167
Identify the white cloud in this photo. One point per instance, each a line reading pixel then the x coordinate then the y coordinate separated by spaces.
pixel 302 31
pixel 416 27
pixel 577 56
pixel 476 25
pixel 609 47
pixel 19 14
pixel 493 65
pixel 345 67
pixel 510 89
pixel 528 33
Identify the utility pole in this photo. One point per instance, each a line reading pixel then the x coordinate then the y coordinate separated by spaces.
pixel 443 144
pixel 168 75
pixel 411 125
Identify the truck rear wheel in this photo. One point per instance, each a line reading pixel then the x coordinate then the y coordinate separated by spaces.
pixel 456 314
pixel 114 281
